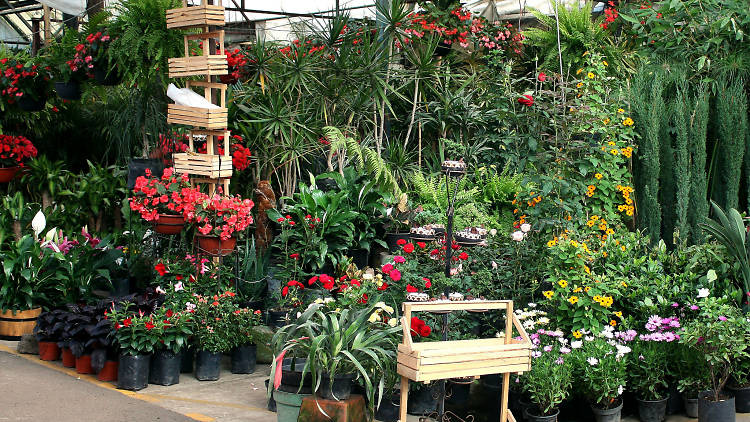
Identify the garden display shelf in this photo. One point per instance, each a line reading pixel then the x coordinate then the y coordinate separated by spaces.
pixel 423 362
pixel 206 64
pixel 208 165
pixel 195 16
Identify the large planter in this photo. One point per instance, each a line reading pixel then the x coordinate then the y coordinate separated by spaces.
pixel 169 224
pixel 741 398
pixel 70 91
pixel 108 372
pixel 207 365
pixel 8 173
pixel 132 372
pixel 389 409
pixel 137 167
pixel 48 350
pixel 392 240
pixel 14 325
pixel 291 376
pixel 165 368
pixel 691 406
pixel 214 245
pixel 338 388
pixel 715 411
pixel 83 364
pixel 287 405
pixel 423 401
pixel 105 78
pixel 244 359
pixel 68 358
pixel 27 103
pixel 613 414
pixel 532 417
pixel 360 257
pixel 652 410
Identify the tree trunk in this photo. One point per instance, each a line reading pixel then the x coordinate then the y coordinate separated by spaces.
pixel 17 229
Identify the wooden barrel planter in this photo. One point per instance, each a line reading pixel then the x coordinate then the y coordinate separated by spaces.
pixel 12 327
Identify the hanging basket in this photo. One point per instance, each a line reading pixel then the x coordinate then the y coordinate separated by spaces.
pixel 107 78
pixel 8 173
pixel 27 103
pixel 214 245
pixel 169 224
pixel 68 90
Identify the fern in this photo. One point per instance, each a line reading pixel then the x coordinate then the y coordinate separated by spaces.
pixel 432 191
pixel 365 159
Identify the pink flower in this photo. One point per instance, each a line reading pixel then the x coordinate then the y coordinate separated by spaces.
pixel 395 275
pixel 387 268
pixel 399 259
pixel 542 77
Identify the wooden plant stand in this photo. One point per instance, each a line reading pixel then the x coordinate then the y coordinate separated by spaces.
pixel 211 168
pixel 424 362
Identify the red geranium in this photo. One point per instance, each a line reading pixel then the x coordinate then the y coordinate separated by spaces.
pixel 526 100
pixel 14 150
pixel 169 194
pixel 409 248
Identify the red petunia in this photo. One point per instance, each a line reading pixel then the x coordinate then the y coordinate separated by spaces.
pixel 411 289
pixel 170 313
pixel 425 331
pixel 526 100
pixel 463 256
pixel 421 245
pixel 401 242
pixel 409 248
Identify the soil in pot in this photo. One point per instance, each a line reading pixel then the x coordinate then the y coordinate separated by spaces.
pixel 207 365
pixel 338 388
pixel 244 359
pixel 715 411
pixel 165 368
pixel 741 398
pixel 132 372
pixel 48 350
pixel 70 91
pixel 652 410
pixel 83 364
pixel 423 400
pixel 108 372
pixel 389 409
pixel 613 414
pixel 68 359
pixel 531 415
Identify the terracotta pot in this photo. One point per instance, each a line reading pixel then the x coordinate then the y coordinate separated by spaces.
pixel 8 173
pixel 48 350
pixel 169 224
pixel 83 365
pixel 108 372
pixel 213 245
pixel 68 359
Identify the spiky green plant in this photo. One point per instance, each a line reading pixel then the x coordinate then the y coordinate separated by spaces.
pixel 732 113
pixel 432 191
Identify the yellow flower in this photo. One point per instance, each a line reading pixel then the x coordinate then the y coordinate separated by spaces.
pixel 590 75
pixel 628 122
pixel 577 334
pixel 590 223
pixel 586 289
pixel 563 283
pixel 585 54
pixel 577 290
pixel 591 187
pixel 551 243
pixel 579 85
pixel 594 217
pixel 602 227
pixel 573 243
pixel 606 121
pixel 573 300
pixel 548 294
pixel 614 152
pixel 623 246
pixel 598 176
pixel 578 72
pixel 618 314
pixel 610 231
pixel 597 298
pixel 613 323
pixel 604 254
pixel 619 110
pixel 624 284
pixel 587 269
pixel 604 62
pixel 611 143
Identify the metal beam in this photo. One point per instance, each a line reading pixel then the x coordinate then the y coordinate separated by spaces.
pixel 20 4
pixel 22 19
pixel 283 15
pixel 21 9
pixel 15 28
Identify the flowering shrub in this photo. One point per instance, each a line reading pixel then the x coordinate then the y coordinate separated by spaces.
pixel 97 45
pixel 550 380
pixel 14 150
pixel 172 327
pixel 212 327
pixel 23 78
pixel 80 67
pixel 171 194
pixel 601 365
pixel 220 216
pixel 648 369
pixel 134 333
pixel 241 322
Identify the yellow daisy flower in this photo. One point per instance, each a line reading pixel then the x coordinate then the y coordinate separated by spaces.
pixel 598 176
pixel 573 300
pixel 563 283
pixel 548 294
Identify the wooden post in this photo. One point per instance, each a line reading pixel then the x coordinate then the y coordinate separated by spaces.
pixel 47 29
pixel 506 375
pixel 404 398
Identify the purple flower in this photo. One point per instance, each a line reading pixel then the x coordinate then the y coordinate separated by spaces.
pixel 548 348
pixel 675 305
pixel 722 318
pixel 559 361
pixel 535 354
pixel 694 307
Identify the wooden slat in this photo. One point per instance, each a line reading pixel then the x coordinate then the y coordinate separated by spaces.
pixel 411 360
pixel 456 306
pixel 195 16
pixel 194 116
pixel 419 365
pixel 213 65
pixel 208 165
pixel 205 35
pixel 420 376
pixel 214 85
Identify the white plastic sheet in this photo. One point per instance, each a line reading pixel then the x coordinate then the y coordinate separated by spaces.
pixel 71 7
pixel 188 97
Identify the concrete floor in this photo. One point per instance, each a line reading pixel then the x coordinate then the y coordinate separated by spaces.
pixel 34 390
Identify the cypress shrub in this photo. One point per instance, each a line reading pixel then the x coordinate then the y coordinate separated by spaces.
pixel 731 107
pixel 697 133
pixel 681 165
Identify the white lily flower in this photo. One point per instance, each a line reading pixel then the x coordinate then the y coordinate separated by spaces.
pixel 38 223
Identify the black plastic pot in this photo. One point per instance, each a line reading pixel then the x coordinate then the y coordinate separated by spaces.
pixel 691 406
pixel 105 78
pixel 243 359
pixel 277 319
pixel 360 257
pixel 715 411
pixel 442 49
pixel 132 372
pixel 137 167
pixel 207 365
pixel 652 410
pixel 165 368
pixel 187 360
pixel 340 388
pixel 292 378
pixel 391 239
pixel 457 392
pixel 70 91
pixel 388 410
pixel 27 103
pixel 120 287
pixel 423 401
pixel 674 401
pixel 493 381
pixel 741 398
pixel 613 414
pixel 530 415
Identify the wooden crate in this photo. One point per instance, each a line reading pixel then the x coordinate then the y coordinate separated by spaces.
pixel 209 118
pixel 195 16
pixel 206 165
pixel 212 65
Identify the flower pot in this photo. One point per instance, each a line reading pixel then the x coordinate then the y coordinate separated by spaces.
pixel 214 245
pixel 132 372
pixel 14 324
pixel 291 379
pixel 83 364
pixel 164 368
pixel 48 350
pixel 613 414
pixel 457 391
pixel 68 359
pixel 691 407
pixel 338 388
pixel 741 398
pixel 278 319
pixel 493 381
pixel 120 287
pixel 207 365
pixel 8 173
pixel 243 359
pixel 105 78
pixel 68 90
pixel 389 409
pixel 169 224
pixel 652 410
pixel 442 49
pixel 287 405
pixel 391 239
pixel 187 360
pixel 360 257
pixel 715 411
pixel 108 372
pixel 423 401
pixel 531 416
pixel 137 167
pixel 674 400
pixel 27 103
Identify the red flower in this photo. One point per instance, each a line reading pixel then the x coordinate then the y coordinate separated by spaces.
pixel 161 268
pixel 127 322
pixel 294 256
pixel 291 223
pixel 280 219
pixel 149 325
pixel 463 256
pixel 170 313
pixel 526 100
pixel 411 289
pixel 395 275
pixel 401 242
pixel 312 280
pixel 285 291
pixel 409 248
pixel 427 282
pixel 542 77
pixel 383 286
pixel 421 245
pixel 363 299
pixel 425 331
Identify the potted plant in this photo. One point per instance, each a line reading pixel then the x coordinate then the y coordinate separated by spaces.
pixel 740 386
pixel 210 326
pixel 691 372
pixel 217 218
pixel 173 331
pixel 720 334
pixel 135 336
pixel 48 330
pixel 105 73
pixel 550 380
pixel 164 200
pixel 25 82
pixel 14 150
pixel 649 365
pixel 601 366
pixel 241 323
pixel 74 65
pixel 399 221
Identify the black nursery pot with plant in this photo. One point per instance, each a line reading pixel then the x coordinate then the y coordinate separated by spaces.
pixel 423 400
pixel 137 167
pixel 244 358
pixel 70 90
pixel 392 240
pixel 291 376
pixel 132 372
pixel 389 408
pixel 530 415
pixel 278 318
pixel 652 410
pixel 165 368
pixel 338 388
pixel 710 410
pixel 207 365
pixel 741 398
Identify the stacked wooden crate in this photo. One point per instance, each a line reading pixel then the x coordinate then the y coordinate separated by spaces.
pixel 210 124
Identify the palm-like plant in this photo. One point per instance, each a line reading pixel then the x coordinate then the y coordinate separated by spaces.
pixel 730 231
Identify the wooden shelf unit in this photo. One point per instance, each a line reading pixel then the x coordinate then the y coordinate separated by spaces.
pixel 428 361
pixel 195 16
pixel 206 64
pixel 207 118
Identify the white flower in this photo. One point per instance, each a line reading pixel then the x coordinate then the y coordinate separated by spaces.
pixel 178 286
pixel 592 361
pixel 702 293
pixel 299 314
pixel 517 235
pixel 494 265
pixel 393 322
pixel 374 317
pixel 622 350
pixel 576 344
pixel 38 223
pixel 160 290
pixel 189 306
pixel 531 305
pixel 493 232
pixel 620 389
pixel 589 338
pixel 328 300
pixel 50 234
pixel 318 300
pixel 525 227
